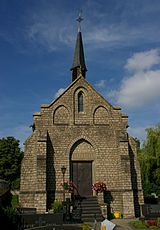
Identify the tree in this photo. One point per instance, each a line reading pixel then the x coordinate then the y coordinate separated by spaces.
pixel 149 157
pixel 10 159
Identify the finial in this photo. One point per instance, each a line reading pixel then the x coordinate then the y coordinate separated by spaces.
pixel 79 19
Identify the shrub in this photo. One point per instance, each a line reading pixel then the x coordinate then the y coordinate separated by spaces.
pixel 56 206
pixel 15 185
pixel 15 201
pixel 110 216
pixel 69 186
pixel 158 221
pixel 9 217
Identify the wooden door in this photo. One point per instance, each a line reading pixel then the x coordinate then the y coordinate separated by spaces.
pixel 82 177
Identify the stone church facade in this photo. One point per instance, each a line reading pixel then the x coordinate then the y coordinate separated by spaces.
pixel 83 132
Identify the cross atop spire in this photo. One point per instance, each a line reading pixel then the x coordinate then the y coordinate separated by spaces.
pixel 79 19
pixel 78 67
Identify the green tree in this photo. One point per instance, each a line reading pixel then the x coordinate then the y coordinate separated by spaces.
pixel 149 156
pixel 10 160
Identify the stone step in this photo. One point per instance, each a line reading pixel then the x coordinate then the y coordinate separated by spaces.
pixel 90 198
pixel 98 212
pixel 89 205
pixel 91 210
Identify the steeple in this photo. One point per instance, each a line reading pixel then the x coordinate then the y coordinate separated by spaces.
pixel 78 67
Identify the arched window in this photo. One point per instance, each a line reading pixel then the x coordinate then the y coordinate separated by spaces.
pixel 80 102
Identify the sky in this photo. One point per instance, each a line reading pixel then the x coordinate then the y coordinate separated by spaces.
pixel 122 52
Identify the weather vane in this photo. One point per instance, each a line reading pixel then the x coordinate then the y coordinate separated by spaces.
pixel 79 19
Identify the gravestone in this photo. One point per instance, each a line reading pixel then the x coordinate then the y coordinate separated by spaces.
pixel 150 211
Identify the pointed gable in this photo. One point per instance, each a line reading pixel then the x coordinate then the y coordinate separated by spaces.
pixel 83 132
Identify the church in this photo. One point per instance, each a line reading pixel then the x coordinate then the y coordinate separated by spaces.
pixel 81 132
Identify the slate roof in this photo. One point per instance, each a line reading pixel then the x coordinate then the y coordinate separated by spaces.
pixel 79 60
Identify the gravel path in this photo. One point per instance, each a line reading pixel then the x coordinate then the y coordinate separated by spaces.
pixel 122 224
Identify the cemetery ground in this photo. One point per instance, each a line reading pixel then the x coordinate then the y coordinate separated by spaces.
pixel 126 224
pixel 17 218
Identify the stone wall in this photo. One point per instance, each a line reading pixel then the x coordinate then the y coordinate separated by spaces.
pixel 62 134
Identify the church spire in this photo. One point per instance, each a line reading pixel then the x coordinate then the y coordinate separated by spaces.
pixel 78 66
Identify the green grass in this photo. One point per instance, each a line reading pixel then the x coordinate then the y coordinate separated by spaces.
pixel 137 224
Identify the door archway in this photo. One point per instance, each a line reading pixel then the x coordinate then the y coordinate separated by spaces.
pixel 82 156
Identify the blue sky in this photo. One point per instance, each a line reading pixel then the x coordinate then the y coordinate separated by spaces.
pixel 122 51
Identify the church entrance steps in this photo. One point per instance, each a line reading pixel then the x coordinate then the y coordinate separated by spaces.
pixel 91 210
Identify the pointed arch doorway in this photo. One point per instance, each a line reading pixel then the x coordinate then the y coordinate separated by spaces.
pixel 82 167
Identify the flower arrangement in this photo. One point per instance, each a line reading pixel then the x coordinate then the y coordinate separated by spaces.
pixel 99 186
pixel 152 222
pixel 69 186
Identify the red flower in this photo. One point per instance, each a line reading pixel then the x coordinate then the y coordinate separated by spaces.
pixel 99 186
pixel 152 222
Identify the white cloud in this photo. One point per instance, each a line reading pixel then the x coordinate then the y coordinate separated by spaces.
pixel 20 132
pixel 104 35
pixel 102 28
pixel 112 94
pixel 143 60
pixel 51 31
pixel 51 26
pixel 100 84
pixel 143 86
pixel 138 132
pixel 48 35
pixel 59 92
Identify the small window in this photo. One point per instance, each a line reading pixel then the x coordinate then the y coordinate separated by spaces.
pixel 80 102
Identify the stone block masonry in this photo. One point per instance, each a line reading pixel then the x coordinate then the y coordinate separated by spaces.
pixel 97 136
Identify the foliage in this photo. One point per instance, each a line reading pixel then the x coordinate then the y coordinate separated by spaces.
pixel 9 217
pixel 11 213
pixel 138 143
pixel 69 186
pixel 148 224
pixel 110 216
pixel 8 213
pixel 56 206
pixel 99 186
pixel 158 221
pixel 15 184
pixel 149 156
pixel 138 224
pixel 15 201
pixel 10 160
